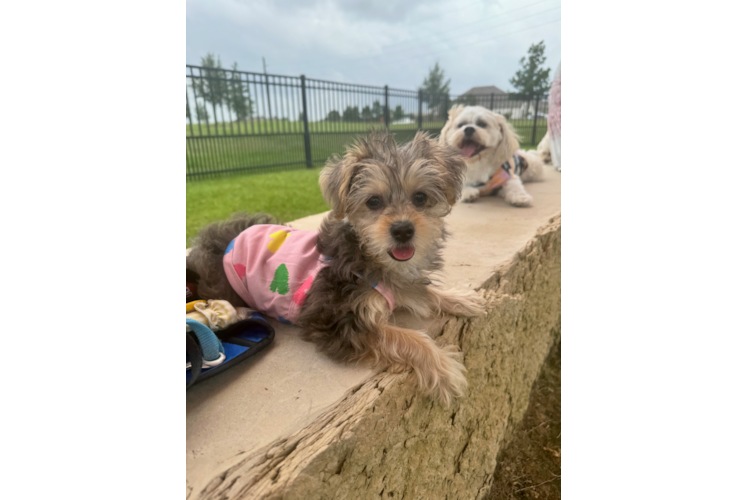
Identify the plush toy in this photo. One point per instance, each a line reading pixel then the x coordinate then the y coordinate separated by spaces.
pixel 191 305
pixel 215 314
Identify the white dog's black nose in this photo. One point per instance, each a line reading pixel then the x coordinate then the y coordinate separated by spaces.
pixel 402 231
pixel 469 131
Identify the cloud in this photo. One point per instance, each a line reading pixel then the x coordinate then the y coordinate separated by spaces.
pixel 375 43
pixel 392 11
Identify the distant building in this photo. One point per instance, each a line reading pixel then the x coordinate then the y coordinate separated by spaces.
pixel 498 101
pixel 483 91
pixel 488 96
pixel 403 121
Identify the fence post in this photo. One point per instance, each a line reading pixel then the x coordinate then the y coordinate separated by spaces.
pixel 535 120
pixel 307 140
pixel 446 107
pixel 267 90
pixel 386 107
pixel 491 108
pixel 420 109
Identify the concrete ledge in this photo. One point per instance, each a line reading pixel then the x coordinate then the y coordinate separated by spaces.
pixel 292 425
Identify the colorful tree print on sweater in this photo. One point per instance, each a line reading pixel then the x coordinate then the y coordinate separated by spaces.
pixel 273 267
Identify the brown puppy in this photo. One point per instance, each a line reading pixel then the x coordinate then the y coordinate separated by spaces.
pixel 387 227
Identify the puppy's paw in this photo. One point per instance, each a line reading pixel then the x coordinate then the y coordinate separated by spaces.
pixel 474 305
pixel 450 380
pixel 463 303
pixel 518 199
pixel 470 194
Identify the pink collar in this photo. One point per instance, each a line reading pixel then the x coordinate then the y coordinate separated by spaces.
pixel 384 290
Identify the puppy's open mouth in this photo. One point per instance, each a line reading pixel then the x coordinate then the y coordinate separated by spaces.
pixel 402 253
pixel 470 148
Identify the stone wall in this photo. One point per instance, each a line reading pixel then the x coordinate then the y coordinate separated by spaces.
pixel 383 441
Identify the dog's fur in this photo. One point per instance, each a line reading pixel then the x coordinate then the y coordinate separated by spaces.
pixel 497 142
pixel 343 314
pixel 544 149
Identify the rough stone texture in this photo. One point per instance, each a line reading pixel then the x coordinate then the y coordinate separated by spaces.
pixel 381 440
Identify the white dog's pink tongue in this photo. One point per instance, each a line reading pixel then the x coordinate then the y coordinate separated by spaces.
pixel 468 149
pixel 403 253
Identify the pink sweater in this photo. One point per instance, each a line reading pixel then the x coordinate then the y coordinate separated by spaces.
pixel 273 267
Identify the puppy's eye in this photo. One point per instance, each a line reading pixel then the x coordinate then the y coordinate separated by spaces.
pixel 461 125
pixel 481 123
pixel 420 199
pixel 374 202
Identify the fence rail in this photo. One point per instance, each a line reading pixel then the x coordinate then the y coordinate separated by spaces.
pixel 239 121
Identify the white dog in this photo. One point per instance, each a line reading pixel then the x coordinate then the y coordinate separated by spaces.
pixel 495 164
pixel 544 149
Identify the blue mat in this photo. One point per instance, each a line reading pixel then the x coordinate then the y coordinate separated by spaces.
pixel 240 341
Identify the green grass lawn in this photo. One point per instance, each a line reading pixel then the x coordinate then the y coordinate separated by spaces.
pixel 286 126
pixel 286 146
pixel 286 195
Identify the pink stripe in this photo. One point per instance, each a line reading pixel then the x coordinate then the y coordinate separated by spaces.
pixel 300 296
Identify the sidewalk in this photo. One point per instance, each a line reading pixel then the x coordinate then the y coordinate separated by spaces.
pixel 289 385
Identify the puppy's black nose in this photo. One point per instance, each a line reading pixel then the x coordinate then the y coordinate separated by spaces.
pixel 402 231
pixel 469 131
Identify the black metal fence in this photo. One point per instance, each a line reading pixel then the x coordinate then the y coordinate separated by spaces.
pixel 243 122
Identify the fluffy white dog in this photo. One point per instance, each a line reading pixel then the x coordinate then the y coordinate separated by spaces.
pixel 544 149
pixel 495 164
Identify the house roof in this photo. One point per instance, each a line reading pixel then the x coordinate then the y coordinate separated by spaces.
pixel 487 90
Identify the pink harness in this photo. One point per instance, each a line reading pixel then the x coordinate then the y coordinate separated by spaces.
pixel 273 267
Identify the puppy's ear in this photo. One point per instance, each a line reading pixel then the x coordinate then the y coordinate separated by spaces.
pixel 453 114
pixel 454 165
pixel 336 178
pixel 509 139
pixel 335 181
pixel 455 111
pixel 449 159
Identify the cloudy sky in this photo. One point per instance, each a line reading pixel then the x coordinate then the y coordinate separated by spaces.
pixel 394 42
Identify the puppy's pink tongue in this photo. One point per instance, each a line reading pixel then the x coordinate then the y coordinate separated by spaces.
pixel 403 253
pixel 468 149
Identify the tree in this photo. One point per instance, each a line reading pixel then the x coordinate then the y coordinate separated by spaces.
pixel 531 80
pixel 376 110
pixel 212 86
pixel 435 88
pixel 217 88
pixel 399 113
pixel 350 114
pixel 333 116
pixel 202 113
pixel 236 100
pixel 366 114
